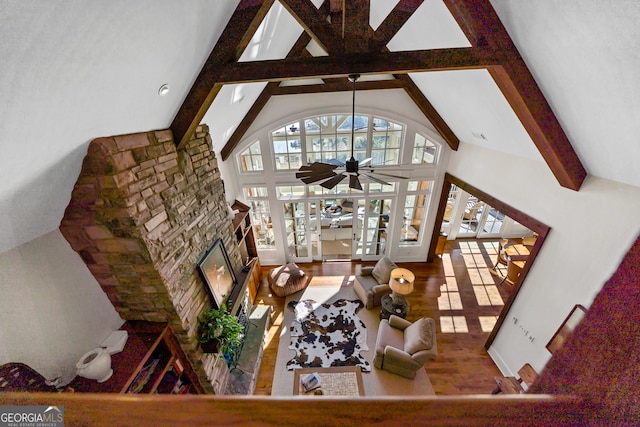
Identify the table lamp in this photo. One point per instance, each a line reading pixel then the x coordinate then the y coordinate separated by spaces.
pixel 401 284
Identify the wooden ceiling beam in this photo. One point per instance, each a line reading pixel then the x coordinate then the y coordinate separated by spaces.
pixel 483 28
pixel 400 14
pixel 393 22
pixel 338 85
pixel 245 124
pixel 356 29
pixel 231 43
pixel 315 24
pixel 404 8
pixel 362 63
pixel 298 49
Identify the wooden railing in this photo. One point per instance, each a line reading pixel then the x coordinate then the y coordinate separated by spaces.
pixel 207 410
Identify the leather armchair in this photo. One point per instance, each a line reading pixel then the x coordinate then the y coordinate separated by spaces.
pixel 403 347
pixel 373 282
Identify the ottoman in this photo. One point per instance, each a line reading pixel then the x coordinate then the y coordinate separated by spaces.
pixel 287 279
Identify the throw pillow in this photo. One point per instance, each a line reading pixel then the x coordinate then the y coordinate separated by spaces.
pixel 382 271
pixel 418 336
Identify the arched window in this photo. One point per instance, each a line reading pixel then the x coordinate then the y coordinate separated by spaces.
pixel 424 151
pixel 296 221
pixel 328 137
pixel 251 158
pixel 287 147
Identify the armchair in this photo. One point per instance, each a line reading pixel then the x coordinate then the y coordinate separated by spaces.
pixel 403 347
pixel 373 282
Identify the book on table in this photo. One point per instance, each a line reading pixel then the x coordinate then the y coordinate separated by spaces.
pixel 311 381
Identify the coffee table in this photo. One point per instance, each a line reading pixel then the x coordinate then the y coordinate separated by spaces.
pixel 334 381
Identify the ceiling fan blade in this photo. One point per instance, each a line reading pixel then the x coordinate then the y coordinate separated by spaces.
pixel 373 178
pixel 332 182
pixel 354 182
pixel 389 175
pixel 366 161
pixel 317 177
pixel 318 166
pixel 335 162
pixel 316 171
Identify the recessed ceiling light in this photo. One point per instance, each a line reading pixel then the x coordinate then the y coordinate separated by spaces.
pixel 164 89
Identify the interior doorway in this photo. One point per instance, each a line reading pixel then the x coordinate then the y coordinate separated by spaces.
pixel 519 218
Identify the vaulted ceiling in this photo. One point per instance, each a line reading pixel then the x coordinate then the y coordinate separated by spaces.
pixel 546 80
pixel 350 45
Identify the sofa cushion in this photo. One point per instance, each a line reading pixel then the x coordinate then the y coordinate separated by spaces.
pixel 382 271
pixel 418 336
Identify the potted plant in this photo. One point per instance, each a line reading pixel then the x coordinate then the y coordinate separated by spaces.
pixel 219 331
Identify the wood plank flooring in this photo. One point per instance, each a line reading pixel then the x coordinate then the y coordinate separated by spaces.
pixel 457 290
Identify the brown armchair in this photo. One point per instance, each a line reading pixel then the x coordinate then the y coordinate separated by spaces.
pixel 373 282
pixel 403 347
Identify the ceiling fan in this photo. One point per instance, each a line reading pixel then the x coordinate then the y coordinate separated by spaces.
pixel 334 171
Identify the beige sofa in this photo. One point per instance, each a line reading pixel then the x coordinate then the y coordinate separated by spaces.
pixel 373 282
pixel 403 347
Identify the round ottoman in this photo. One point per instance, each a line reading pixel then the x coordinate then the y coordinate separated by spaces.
pixel 287 279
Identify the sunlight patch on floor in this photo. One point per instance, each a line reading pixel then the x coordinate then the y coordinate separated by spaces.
pixel 491 248
pixel 474 275
pixel 468 260
pixel 487 322
pixel 449 301
pixel 494 295
pixel 451 285
pixel 469 247
pixel 487 277
pixel 274 329
pixel 447 265
pixel 453 325
pixel 488 295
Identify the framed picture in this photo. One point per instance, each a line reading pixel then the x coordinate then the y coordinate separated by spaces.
pixel 566 329
pixel 217 273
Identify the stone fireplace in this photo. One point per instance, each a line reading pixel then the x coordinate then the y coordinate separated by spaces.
pixel 142 213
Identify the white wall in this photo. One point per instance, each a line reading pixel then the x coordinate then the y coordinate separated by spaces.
pixel 52 309
pixel 591 230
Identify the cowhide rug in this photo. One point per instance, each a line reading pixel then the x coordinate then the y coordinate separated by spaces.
pixel 329 334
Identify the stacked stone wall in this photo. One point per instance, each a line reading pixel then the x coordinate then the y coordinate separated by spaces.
pixel 142 214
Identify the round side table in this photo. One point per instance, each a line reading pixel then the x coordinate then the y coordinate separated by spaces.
pixel 389 308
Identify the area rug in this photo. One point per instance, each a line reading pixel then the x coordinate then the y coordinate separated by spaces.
pixel 377 382
pixel 327 334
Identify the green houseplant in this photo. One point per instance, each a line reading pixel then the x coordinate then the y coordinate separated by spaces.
pixel 219 331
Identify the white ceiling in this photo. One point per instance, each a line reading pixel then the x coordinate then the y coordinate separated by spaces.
pixel 74 70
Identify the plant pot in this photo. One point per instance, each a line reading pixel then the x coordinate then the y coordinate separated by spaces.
pixel 210 346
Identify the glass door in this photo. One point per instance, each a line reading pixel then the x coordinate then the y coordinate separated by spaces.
pixel 315 227
pixel 373 221
pixel 491 222
pixel 336 233
pixel 297 234
pixel 471 215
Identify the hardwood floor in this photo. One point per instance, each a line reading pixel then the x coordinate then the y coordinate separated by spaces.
pixel 457 290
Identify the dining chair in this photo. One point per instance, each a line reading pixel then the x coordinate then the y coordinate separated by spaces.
pixel 502 256
pixel 514 269
pixel 531 240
